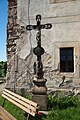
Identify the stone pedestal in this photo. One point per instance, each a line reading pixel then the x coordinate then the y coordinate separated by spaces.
pixel 41 100
pixel 39 92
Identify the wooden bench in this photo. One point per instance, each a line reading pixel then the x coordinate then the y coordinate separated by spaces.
pixel 28 106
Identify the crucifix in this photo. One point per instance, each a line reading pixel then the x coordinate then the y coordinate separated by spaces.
pixel 39 91
pixel 38 50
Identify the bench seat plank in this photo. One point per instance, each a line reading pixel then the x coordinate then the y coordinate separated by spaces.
pixel 22 98
pixel 4 115
pixel 19 101
pixel 2 118
pixel 28 106
pixel 20 106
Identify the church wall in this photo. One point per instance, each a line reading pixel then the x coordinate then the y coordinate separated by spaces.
pixel 64 15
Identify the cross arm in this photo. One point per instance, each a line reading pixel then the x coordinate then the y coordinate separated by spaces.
pixel 35 27
pixel 31 27
pixel 46 26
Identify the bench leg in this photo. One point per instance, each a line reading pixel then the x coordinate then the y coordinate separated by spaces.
pixel 28 117
pixel 3 102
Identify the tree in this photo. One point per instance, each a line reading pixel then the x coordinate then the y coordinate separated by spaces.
pixel 3 68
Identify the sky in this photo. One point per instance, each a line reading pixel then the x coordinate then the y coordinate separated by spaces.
pixel 3 24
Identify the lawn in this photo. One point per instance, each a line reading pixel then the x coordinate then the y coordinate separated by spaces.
pixel 60 107
pixel 64 108
pixel 14 110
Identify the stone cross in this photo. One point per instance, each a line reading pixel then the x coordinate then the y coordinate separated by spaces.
pixel 39 91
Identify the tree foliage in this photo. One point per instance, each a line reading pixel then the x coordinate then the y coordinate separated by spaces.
pixel 3 68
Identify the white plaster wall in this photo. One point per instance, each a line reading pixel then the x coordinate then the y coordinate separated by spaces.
pixel 65 20
pixel 63 16
pixel 46 9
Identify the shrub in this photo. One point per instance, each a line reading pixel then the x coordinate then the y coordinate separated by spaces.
pixel 61 102
pixel 66 114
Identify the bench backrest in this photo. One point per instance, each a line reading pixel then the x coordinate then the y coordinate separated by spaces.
pixel 23 103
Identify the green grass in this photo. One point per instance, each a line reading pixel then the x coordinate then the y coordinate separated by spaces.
pixel 66 114
pixel 64 108
pixel 69 110
pixel 14 110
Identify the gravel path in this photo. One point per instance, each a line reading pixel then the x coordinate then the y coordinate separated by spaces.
pixel 2 87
